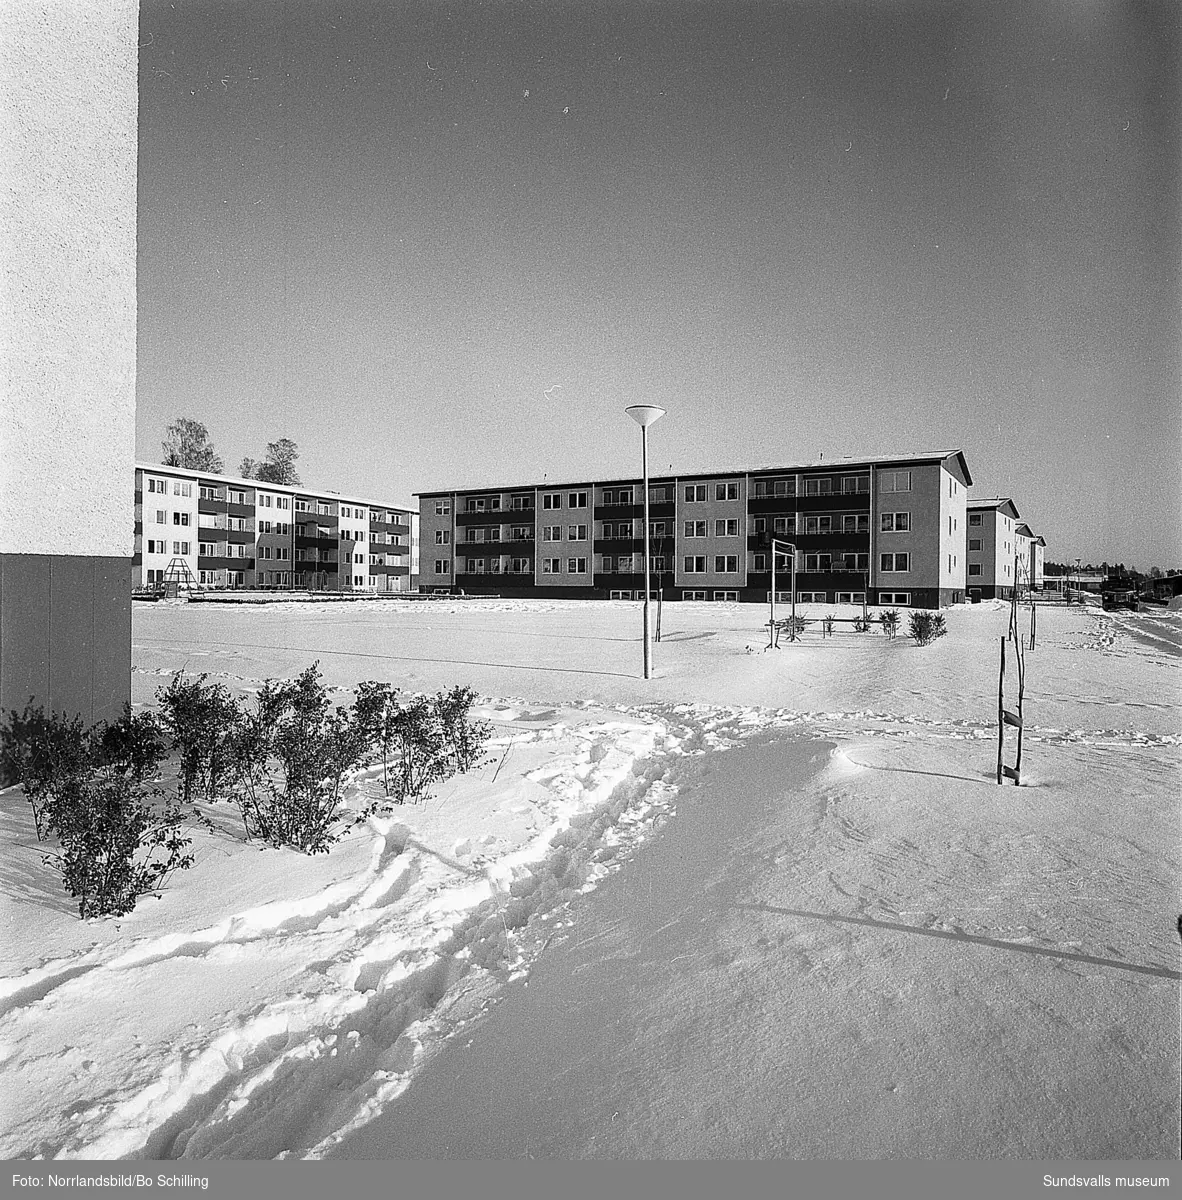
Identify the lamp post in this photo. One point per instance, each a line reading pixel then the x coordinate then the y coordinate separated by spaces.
pixel 772 621
pixel 644 415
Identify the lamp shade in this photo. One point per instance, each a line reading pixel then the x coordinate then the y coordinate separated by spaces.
pixel 644 414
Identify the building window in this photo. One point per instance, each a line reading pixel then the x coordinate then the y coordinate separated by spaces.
pixel 764 488
pixel 899 522
pixel 661 494
pixel 576 533
pixel 283 502
pixel 855 523
pixel 895 562
pixel 695 493
pixel 576 500
pixel 759 525
pixel 443 508
pixel 894 481
pixel 576 566
pixel 695 564
pixel 855 483
pixel 851 597
pixel 656 529
pixel 553 533
pixel 727 528
pixel 180 518
pixel 158 485
pixel 974 519
pixel 903 598
pixel 442 537
pixel 818 524
pixel 974 569
pixel 760 563
pixel 974 543
pixel 818 562
pixel 724 563
pixel 303 506
pixel 180 488
pixel 695 529
pixel 726 491
pixel 551 566
pixel 551 501
pixel 693 595
pixel 617 496
pixel 783 525
pixel 240 498
pixel 442 566
pixel 811 597
pixel 656 563
pixel 818 487
pixel 180 547
pixel 726 595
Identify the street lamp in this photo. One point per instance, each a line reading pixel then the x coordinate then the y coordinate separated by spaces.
pixel 644 415
pixel 772 618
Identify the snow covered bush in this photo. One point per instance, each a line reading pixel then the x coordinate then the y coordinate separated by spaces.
pixel 291 757
pixel 421 741
pixel 465 737
pixel 41 752
pixel 116 841
pixel 203 721
pixel 889 621
pixel 925 627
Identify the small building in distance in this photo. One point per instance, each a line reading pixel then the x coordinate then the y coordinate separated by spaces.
pixel 198 530
pixel 1031 556
pixel 884 530
pixel 991 547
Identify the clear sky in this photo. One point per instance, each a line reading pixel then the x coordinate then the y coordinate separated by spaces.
pixel 446 243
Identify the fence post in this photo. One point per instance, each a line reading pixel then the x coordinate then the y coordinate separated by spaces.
pixel 1001 725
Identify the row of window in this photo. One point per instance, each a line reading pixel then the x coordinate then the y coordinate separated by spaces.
pixel 693 564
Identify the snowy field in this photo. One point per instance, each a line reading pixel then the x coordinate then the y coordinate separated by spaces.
pixel 766 904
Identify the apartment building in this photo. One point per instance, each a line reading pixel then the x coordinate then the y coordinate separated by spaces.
pixel 887 530
pixel 1000 550
pixel 1031 557
pixel 211 531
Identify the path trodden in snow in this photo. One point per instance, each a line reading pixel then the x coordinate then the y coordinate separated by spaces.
pixel 814 968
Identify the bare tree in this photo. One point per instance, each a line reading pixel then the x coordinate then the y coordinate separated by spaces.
pixel 187 444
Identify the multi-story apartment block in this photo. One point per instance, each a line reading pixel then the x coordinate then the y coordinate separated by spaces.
pixel 887 530
pixel 215 532
pixel 1000 550
pixel 1031 557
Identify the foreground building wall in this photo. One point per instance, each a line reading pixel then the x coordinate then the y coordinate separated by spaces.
pixel 888 530
pixel 194 529
pixel 68 92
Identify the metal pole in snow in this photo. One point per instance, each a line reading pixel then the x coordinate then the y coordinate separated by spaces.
pixel 1001 724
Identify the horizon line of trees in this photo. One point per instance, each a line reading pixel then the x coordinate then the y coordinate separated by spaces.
pixel 187 444
pixel 1109 570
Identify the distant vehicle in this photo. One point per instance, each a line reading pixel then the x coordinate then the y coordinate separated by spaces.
pixel 1115 598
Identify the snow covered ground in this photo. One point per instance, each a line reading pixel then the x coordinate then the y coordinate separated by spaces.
pixel 271 1004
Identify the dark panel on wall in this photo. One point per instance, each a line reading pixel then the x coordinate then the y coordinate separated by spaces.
pixel 65 633
pixel 71 635
pixel 112 637
pixel 24 630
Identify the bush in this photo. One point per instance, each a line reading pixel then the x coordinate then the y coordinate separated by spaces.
pixel 925 627
pixel 114 845
pixel 86 788
pixel 465 738
pixel 203 721
pixel 42 753
pixel 889 621
pixel 291 757
pixel 827 623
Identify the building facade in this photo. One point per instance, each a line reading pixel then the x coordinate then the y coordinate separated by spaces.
pixel 993 555
pixel 1031 557
pixel 886 530
pixel 209 531
pixel 69 92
